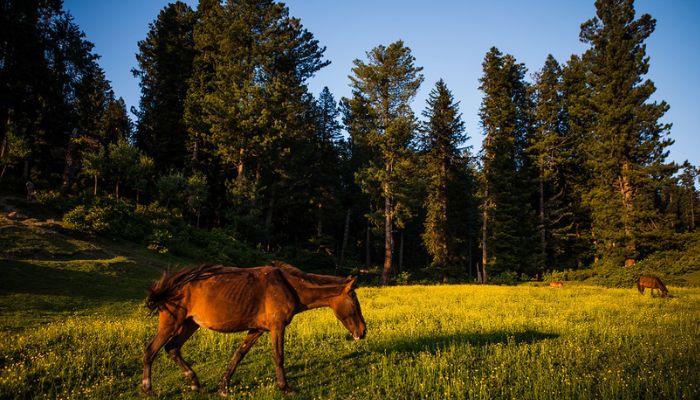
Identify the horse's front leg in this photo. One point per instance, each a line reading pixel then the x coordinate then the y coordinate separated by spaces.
pixel 173 349
pixel 278 352
pixel 241 351
pixel 167 325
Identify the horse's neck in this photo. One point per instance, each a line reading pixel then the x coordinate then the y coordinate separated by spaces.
pixel 312 295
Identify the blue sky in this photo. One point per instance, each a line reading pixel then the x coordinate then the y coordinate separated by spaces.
pixel 449 40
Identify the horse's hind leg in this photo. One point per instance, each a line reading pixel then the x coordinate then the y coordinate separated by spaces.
pixel 173 348
pixel 167 327
pixel 241 351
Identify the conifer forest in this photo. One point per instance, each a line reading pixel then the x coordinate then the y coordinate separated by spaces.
pixel 230 158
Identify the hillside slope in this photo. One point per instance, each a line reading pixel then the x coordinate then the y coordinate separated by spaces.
pixel 47 272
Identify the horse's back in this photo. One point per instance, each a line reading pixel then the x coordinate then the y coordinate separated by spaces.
pixel 651 282
pixel 239 299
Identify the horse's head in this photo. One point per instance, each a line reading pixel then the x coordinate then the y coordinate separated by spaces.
pixel 347 309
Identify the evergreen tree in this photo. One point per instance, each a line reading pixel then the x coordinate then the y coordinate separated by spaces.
pixel 689 195
pixel 553 148
pixel 165 65
pixel 357 153
pixel 442 136
pixel 507 178
pixel 325 167
pixel 247 107
pixel 578 117
pixel 628 143
pixel 207 34
pixel 388 82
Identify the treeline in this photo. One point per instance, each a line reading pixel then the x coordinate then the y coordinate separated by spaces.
pixel 229 140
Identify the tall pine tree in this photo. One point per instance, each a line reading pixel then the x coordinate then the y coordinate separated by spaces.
pixel 508 185
pixel 628 142
pixel 446 167
pixel 387 83
pixel 165 67
pixel 553 148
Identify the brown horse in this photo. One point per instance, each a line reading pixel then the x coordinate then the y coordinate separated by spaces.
pixel 651 282
pixel 227 299
pixel 558 284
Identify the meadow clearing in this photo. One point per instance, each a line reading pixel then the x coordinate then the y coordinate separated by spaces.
pixel 74 326
pixel 451 342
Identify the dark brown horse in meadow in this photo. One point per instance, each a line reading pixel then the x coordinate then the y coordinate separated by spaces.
pixel 651 282
pixel 257 300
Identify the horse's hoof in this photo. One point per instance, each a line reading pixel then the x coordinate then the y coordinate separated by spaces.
pixel 289 391
pixel 146 391
pixel 223 392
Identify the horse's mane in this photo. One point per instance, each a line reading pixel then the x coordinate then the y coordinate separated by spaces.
pixel 165 289
pixel 316 279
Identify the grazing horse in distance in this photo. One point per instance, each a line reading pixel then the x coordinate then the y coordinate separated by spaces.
pixel 558 284
pixel 651 282
pixel 257 300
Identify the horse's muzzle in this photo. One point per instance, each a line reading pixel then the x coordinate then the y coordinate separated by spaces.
pixel 359 335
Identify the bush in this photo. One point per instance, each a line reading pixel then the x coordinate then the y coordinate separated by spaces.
pixel 163 226
pixel 670 265
pixel 108 217
pixel 55 201
pixel 568 275
pixel 504 278
pixel 216 246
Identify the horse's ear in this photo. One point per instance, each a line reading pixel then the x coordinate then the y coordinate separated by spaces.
pixel 350 283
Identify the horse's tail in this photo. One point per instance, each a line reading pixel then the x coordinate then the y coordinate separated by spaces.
pixel 639 285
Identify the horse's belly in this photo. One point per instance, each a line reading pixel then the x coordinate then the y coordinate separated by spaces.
pixel 232 304
pixel 224 312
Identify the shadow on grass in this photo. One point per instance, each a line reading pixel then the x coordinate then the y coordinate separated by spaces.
pixel 121 282
pixel 434 343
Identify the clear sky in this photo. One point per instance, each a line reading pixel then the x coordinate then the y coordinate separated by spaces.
pixel 449 39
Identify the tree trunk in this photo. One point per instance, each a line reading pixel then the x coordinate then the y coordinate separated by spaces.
pixel 94 187
pixel 627 197
pixel 116 189
pixel 692 209
pixel 543 242
pixel 469 258
pixel 484 237
pixel 368 261
pixel 346 233
pixel 319 220
pixel 270 210
pixel 3 150
pixel 388 242
pixel 240 165
pixel 71 166
pixel 400 253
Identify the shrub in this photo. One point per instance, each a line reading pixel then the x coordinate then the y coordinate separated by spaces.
pixel 504 278
pixel 55 201
pixel 108 217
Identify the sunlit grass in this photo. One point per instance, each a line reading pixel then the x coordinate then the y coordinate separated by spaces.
pixel 450 342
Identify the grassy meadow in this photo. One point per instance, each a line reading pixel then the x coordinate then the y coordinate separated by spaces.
pixel 73 326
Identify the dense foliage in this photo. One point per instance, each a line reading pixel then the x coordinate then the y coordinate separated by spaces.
pixel 231 150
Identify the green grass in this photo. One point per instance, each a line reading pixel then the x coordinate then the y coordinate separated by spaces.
pixel 75 327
